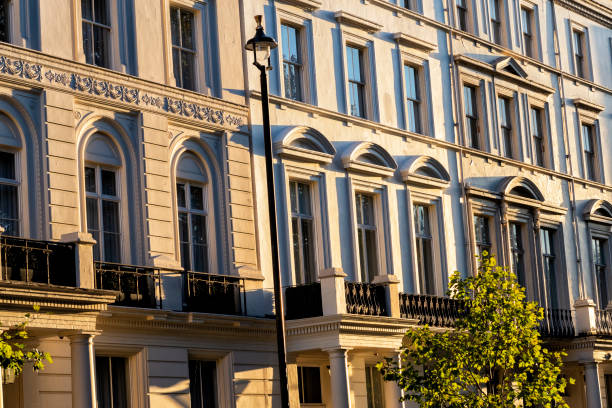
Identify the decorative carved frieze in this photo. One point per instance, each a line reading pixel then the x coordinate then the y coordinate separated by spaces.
pixel 117 92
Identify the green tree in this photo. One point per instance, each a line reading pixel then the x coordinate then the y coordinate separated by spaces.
pixel 13 351
pixel 492 358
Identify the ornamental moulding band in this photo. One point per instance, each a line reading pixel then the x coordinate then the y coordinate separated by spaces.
pixel 117 92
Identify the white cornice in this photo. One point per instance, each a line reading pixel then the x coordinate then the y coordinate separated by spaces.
pixel 20 294
pixel 308 5
pixel 354 21
pixel 414 42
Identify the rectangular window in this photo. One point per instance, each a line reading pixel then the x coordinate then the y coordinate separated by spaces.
pixel 9 200
pixel 547 244
pixel 600 266
pixel 424 249
pixel 309 385
pixel 5 21
pixel 413 100
pixel 518 252
pixel 495 21
pixel 505 123
pixel 192 226
pixel 482 235
pixel 111 382
pixel 354 63
pixel 374 388
pixel 578 42
pixel 410 4
pixel 366 237
pixel 96 32
pixel 102 202
pixel 471 117
pixel 183 47
pixel 462 14
pixel 588 146
pixel 537 136
pixel 203 383
pixel 292 62
pixel 302 232
pixel 526 22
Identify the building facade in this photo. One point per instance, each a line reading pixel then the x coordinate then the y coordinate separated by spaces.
pixel 408 137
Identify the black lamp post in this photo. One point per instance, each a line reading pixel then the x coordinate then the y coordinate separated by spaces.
pixel 261 45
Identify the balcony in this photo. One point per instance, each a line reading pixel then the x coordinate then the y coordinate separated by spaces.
pixel 557 323
pixel 603 322
pixel 137 286
pixel 207 293
pixel 436 311
pixel 303 301
pixel 32 261
pixel 365 299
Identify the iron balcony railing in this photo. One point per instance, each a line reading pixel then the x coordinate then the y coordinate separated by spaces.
pixel 557 323
pixel 431 310
pixel 603 322
pixel 303 301
pixel 29 260
pixel 209 293
pixel 365 299
pixel 138 286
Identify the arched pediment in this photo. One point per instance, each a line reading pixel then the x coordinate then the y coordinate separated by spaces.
pixel 304 143
pixel 519 186
pixel 598 211
pixel 509 65
pixel 9 136
pixel 425 171
pixel 190 168
pixel 101 149
pixel 369 158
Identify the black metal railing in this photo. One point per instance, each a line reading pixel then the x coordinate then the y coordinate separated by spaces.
pixel 557 323
pixel 431 310
pixel 365 299
pixel 303 301
pixel 208 293
pixel 29 260
pixel 138 286
pixel 603 322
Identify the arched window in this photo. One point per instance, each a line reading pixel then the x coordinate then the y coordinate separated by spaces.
pixel 192 206
pixel 103 197
pixel 9 178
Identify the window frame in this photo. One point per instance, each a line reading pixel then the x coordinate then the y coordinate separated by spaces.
pixel 547 154
pixel 182 49
pixel 533 27
pixel 108 30
pixel 467 10
pixel 491 211
pixel 216 379
pixel 203 71
pixel 496 32
pixel 300 391
pixel 379 193
pixel 300 277
pixel 137 385
pixel 585 65
pixel 190 212
pixel 478 85
pixel 22 222
pixel 555 224
pixel 298 65
pixel 365 47
pixel 512 108
pixel 526 218
pixel 602 232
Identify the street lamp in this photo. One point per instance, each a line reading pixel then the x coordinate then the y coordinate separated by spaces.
pixel 261 45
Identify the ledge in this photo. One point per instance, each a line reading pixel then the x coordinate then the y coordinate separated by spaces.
pixel 414 42
pixel 307 5
pixel 20 294
pixel 424 181
pixel 352 20
pixel 584 104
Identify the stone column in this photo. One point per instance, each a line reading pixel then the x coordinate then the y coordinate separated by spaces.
pixel 391 283
pixel 340 389
pixel 333 295
pixel 82 374
pixel 392 391
pixel 585 316
pixel 83 258
pixel 593 390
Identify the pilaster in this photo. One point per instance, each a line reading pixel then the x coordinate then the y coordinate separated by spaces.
pixel 83 258
pixel 333 294
pixel 585 316
pixel 391 284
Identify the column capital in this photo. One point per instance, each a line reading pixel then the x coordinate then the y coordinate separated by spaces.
pixel 337 351
pixel 78 237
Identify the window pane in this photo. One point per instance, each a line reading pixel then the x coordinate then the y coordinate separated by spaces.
pixel 202 383
pixel 100 36
pixel 103 382
pixel 175 26
pixel 9 210
pixel 86 9
pixel 180 195
pixel 367 205
pixel 516 243
pixel 92 214
pixel 176 66
pixel 307 246
pixel 100 12
pixel 290 44
pixel 291 74
pixel 112 251
pixel 187 70
pixel 90 179
pixel 187 29
pixel 119 378
pixel 371 253
pixel 297 254
pixel 374 389
pixel 353 56
pixel 110 216
pixel 293 196
pixel 4 22
pixel 184 240
pixel 304 198
pixel 309 385
pixel 7 165
pixel 108 183
pixel 197 197
pixel 88 43
pixel 198 240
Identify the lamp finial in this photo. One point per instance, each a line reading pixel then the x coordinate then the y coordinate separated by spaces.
pixel 258 19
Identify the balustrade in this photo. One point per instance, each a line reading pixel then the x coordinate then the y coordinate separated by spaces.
pixel 138 286
pixel 431 310
pixel 365 299
pixel 208 293
pixel 557 323
pixel 603 322
pixel 29 260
